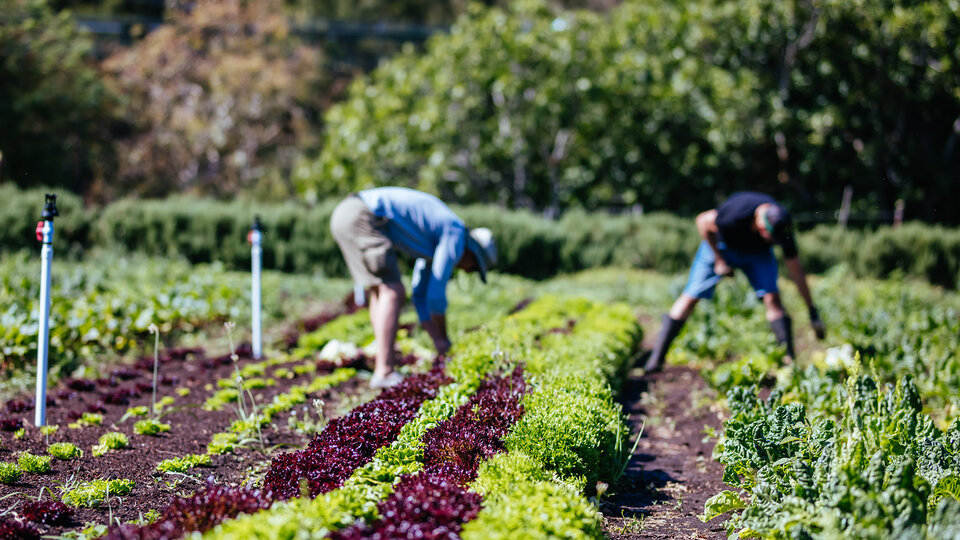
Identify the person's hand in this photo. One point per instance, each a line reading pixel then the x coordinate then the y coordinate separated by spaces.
pixel 818 327
pixel 721 268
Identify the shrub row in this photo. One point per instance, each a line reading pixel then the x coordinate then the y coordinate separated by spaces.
pixel 297 237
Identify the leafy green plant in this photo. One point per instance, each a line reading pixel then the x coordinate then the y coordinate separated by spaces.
pixel 150 427
pixel 113 440
pixel 20 433
pixel 221 398
pixel 48 430
pixel 33 464
pixel 64 450
pixel 222 443
pixel 91 494
pixel 87 419
pixel 182 464
pixel 140 410
pixel 9 472
pixel 257 383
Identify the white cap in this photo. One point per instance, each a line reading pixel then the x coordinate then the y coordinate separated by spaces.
pixel 484 249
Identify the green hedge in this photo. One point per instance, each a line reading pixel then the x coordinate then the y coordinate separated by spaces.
pixel 20 211
pixel 297 237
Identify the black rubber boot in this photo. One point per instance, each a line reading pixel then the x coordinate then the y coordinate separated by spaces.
pixel 784 333
pixel 668 332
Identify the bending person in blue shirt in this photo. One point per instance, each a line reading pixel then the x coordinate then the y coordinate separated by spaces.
pixel 740 233
pixel 371 226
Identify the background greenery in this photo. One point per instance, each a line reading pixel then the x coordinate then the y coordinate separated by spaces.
pixel 524 104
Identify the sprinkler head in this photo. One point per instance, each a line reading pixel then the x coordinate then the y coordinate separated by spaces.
pixel 50 208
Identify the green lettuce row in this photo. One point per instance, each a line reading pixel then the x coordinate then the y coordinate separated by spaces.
pixel 572 435
pixel 512 484
pixel 511 339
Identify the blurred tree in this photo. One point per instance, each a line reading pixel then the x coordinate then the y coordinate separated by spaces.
pixel 533 108
pixel 54 110
pixel 670 105
pixel 221 100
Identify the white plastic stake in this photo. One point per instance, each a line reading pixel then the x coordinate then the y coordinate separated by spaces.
pixel 44 235
pixel 256 254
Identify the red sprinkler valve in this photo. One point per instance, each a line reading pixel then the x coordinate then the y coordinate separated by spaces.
pixel 39 231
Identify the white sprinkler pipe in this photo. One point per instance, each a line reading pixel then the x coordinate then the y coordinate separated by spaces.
pixel 44 235
pixel 256 255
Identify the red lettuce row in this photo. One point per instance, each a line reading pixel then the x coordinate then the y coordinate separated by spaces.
pixel 434 502
pixel 345 444
pixel 201 512
pixel 351 441
pixel 422 505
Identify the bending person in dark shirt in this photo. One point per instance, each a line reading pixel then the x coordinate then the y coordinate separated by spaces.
pixel 740 233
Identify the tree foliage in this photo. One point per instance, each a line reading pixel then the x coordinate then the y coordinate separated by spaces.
pixel 221 100
pixel 52 102
pixel 671 105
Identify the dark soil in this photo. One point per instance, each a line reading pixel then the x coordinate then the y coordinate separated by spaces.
pixel 192 428
pixel 671 474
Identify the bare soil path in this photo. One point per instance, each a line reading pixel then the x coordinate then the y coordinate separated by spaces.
pixel 671 474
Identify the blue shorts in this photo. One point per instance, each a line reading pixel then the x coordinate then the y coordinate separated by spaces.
pixel 760 268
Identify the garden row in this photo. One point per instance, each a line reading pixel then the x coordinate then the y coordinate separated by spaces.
pixel 121 452
pixel 297 238
pixel 862 441
pixel 105 305
pixel 521 415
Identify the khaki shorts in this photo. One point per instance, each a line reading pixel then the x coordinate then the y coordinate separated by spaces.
pixel 369 253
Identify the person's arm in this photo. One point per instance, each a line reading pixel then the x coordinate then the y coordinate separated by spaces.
pixel 445 258
pixel 420 283
pixel 707 227
pixel 799 278
pixel 435 325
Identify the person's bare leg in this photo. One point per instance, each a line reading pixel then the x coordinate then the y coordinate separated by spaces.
pixel 672 324
pixel 771 302
pixel 385 304
pixel 683 307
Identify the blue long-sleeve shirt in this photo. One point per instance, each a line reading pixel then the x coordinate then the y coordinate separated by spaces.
pixel 421 226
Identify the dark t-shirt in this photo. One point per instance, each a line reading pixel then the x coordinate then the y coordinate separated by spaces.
pixel 735 223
